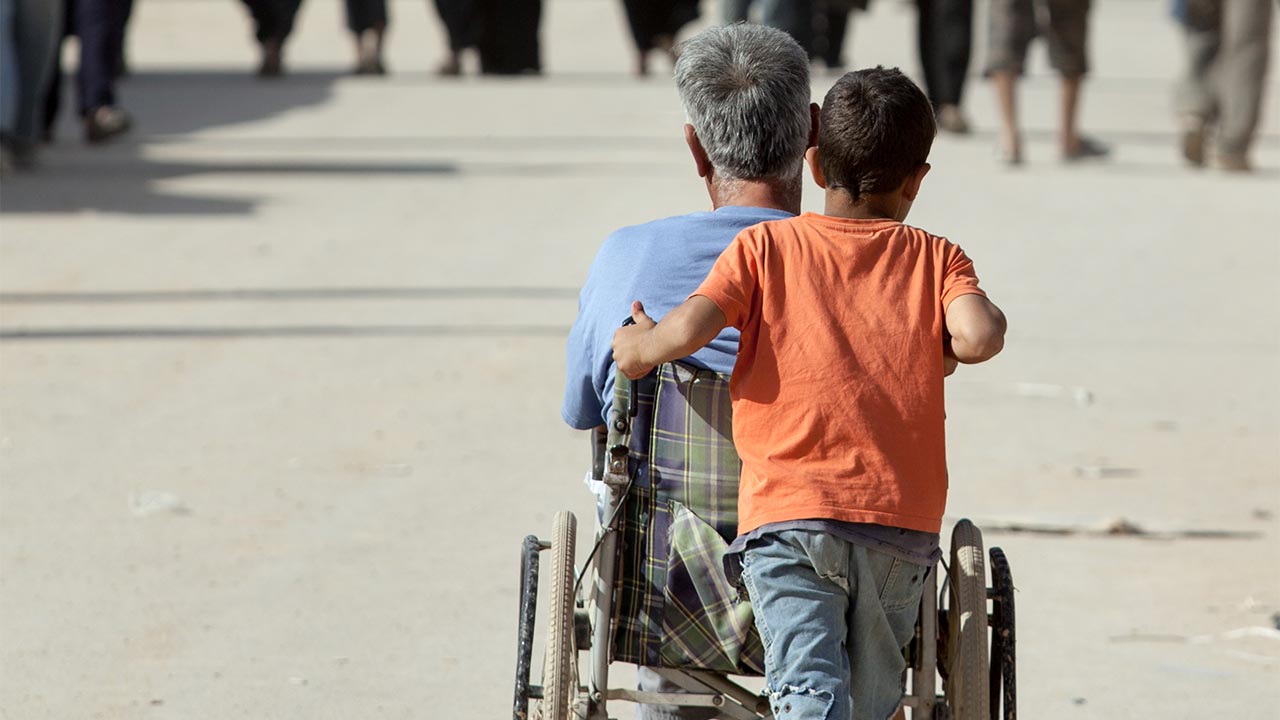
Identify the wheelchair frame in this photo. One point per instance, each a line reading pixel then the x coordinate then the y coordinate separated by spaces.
pixel 951 637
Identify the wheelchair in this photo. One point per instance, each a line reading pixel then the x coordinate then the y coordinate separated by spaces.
pixel 653 590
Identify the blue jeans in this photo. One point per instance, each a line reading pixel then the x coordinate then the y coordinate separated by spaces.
pixel 834 617
pixel 29 34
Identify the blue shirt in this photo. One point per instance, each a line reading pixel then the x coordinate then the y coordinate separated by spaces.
pixel 660 264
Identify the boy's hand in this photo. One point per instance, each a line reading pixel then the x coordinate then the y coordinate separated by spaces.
pixel 629 341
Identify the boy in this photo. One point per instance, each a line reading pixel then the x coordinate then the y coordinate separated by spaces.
pixel 848 321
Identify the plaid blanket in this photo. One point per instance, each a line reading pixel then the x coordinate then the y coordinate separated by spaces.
pixel 675 608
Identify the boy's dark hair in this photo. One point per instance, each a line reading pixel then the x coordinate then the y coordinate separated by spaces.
pixel 876 128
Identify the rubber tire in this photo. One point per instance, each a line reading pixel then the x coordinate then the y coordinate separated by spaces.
pixel 558 672
pixel 967 687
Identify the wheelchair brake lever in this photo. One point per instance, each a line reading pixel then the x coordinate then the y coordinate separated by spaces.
pixel 631 394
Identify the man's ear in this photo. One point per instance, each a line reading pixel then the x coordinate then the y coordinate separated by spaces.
pixel 912 187
pixel 812 157
pixel 700 158
pixel 815 113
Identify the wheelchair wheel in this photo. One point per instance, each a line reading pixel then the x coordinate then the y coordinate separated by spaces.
pixel 966 682
pixel 559 670
pixel 1004 683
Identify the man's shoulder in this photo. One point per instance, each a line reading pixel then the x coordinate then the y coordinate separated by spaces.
pixel 662 227
pixel 716 225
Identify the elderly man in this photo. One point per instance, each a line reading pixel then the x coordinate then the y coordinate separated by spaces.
pixel 745 92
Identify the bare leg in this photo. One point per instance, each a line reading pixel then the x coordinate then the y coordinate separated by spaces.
pixel 1074 145
pixel 379 33
pixel 1070 139
pixel 1006 94
pixel 359 45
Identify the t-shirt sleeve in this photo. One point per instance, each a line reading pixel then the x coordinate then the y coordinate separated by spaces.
pixel 734 282
pixel 581 408
pixel 958 276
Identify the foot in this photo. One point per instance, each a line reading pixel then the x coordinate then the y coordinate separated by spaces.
pixel 1084 148
pixel 106 122
pixel 1010 151
pixel 371 66
pixel 642 64
pixel 952 120
pixel 451 67
pixel 1193 136
pixel 272 59
pixel 1233 162
pixel 16 155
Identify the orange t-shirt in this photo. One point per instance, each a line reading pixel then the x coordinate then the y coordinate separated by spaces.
pixel 837 390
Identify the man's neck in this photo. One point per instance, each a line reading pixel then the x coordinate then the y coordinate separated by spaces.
pixel 771 194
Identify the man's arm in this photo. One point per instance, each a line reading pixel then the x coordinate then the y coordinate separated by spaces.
pixel 639 348
pixel 977 328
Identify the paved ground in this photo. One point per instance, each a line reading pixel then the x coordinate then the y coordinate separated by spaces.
pixel 280 376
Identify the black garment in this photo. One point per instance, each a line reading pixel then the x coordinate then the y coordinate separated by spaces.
pixel 946 41
pixel 830 25
pixel 366 15
pixel 100 27
pixel 273 19
pixel 460 21
pixel 99 24
pixel 508 36
pixel 652 19
pixel 796 17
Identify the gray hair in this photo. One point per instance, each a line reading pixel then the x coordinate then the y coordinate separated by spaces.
pixel 745 91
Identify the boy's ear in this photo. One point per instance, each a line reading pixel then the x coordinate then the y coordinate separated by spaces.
pixel 812 157
pixel 912 187
pixel 815 113
pixel 700 159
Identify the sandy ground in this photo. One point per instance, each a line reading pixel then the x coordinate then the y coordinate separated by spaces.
pixel 280 374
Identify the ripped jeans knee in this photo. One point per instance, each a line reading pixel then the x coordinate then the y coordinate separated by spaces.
pixel 791 702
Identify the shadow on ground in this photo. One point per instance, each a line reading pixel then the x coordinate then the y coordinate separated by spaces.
pixel 119 178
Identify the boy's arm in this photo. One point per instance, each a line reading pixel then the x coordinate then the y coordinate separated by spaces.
pixel 639 348
pixel 977 328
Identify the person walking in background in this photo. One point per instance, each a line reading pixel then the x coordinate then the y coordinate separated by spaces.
pixel 459 18
pixel 272 21
pixel 29 31
pixel 654 24
pixel 830 27
pixel 1228 45
pixel 99 25
pixel 945 31
pixel 508 36
pixel 367 20
pixel 1013 25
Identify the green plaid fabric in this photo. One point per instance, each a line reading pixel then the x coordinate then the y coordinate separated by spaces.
pixel 675 608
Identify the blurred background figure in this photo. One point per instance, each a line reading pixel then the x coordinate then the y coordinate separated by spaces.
pixel 100 27
pixel 735 11
pixel 795 17
pixel 819 26
pixel 1013 25
pixel 946 41
pixel 654 24
pixel 1228 44
pixel 508 39
pixel 830 27
pixel 29 32
pixel 459 19
pixel 272 23
pixel 367 20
